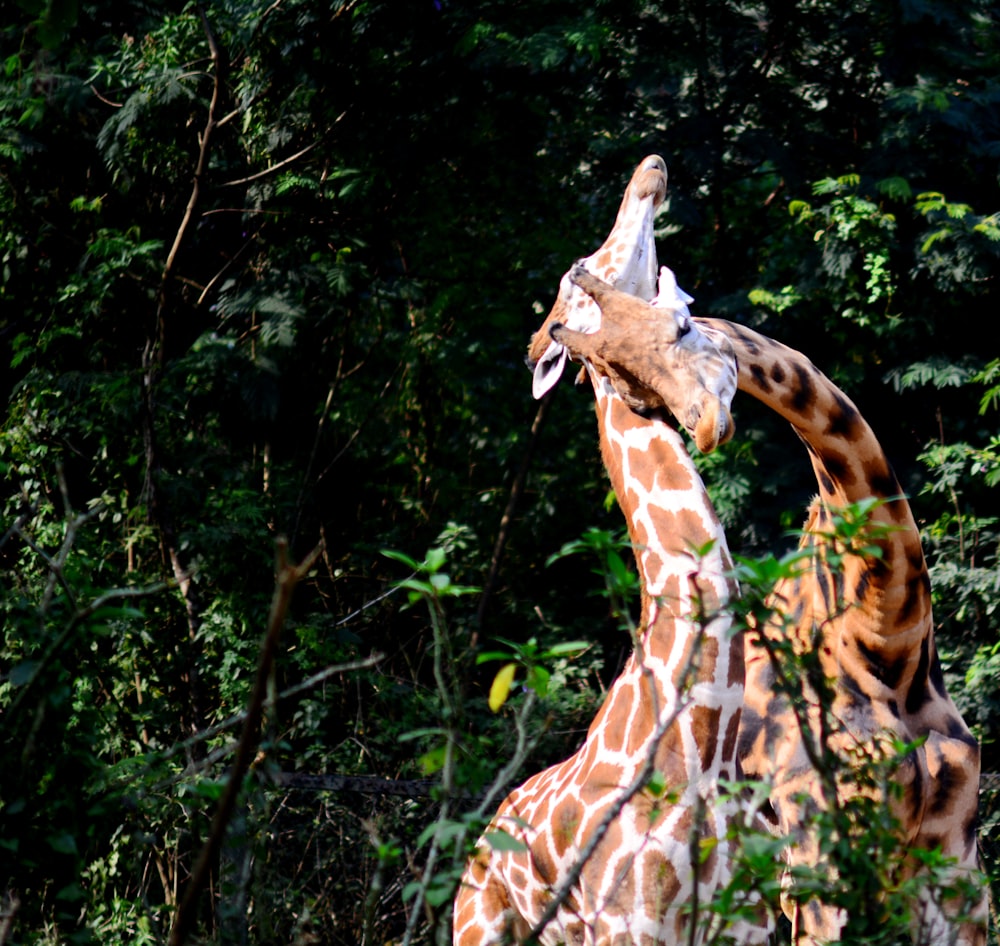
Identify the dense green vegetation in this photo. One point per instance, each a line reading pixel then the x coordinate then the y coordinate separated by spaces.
pixel 269 269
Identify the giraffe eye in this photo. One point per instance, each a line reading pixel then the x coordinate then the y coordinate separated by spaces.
pixel 683 327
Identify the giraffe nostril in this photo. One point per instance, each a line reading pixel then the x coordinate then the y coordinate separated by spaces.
pixel 692 417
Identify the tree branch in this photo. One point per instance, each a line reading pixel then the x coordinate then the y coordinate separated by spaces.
pixel 287 576
pixel 274 167
pixel 152 359
pixel 202 163
pixel 516 488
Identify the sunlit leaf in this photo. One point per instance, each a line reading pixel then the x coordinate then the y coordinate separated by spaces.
pixel 500 688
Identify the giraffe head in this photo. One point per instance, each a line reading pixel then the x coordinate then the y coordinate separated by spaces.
pixel 655 357
pixel 689 372
pixel 627 258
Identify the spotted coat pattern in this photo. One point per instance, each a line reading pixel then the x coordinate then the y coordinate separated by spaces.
pixel 876 637
pixel 877 643
pixel 676 704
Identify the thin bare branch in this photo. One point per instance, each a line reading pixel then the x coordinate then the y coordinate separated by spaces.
pixel 11 904
pixel 19 523
pixel 106 101
pixel 230 263
pixel 287 576
pixel 80 615
pixel 516 488
pixel 202 163
pixel 273 168
pixel 239 718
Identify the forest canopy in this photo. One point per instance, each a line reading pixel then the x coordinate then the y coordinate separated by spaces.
pixel 268 272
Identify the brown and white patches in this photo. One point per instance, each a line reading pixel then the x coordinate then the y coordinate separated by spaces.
pixel 567 815
pixel 880 648
pixel 637 887
pixel 627 258
pixel 877 637
pixel 654 495
pixel 660 882
pixel 656 358
pixel 668 512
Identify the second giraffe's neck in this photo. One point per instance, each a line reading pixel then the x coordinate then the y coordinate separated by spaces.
pixel 666 507
pixel 893 592
pixel 685 649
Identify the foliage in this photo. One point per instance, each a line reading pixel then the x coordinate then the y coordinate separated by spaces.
pixel 269 269
pixel 856 840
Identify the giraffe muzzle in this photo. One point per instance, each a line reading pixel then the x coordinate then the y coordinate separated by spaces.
pixel 714 426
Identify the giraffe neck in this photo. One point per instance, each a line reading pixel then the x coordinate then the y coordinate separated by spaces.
pixel 892 592
pixel 679 659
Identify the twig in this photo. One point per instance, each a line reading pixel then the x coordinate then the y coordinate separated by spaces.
pixel 237 718
pixel 274 167
pixel 106 101
pixel 286 578
pixel 368 604
pixel 12 903
pixel 516 488
pixel 230 263
pixel 15 529
pixel 78 616
pixel 312 458
pixel 202 163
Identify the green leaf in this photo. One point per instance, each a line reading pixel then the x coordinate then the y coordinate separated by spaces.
pixel 435 559
pixel 444 831
pixel 500 840
pixel 22 673
pixel 437 894
pixel 401 557
pixel 419 588
pixel 567 648
pixel 895 188
pixel 935 237
pixel 63 843
pixel 619 570
pixel 538 681
pixel 493 655
pixel 657 784
pixel 411 890
pixel 420 733
pixel 440 581
pixel 433 761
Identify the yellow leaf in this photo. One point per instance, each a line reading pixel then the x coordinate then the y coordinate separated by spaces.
pixel 501 686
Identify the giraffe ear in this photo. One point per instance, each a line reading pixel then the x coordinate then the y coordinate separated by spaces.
pixel 669 295
pixel 548 370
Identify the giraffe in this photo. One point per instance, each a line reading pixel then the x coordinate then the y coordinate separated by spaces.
pixel 604 859
pixel 875 623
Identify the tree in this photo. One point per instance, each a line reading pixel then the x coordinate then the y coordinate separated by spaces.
pixel 270 269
